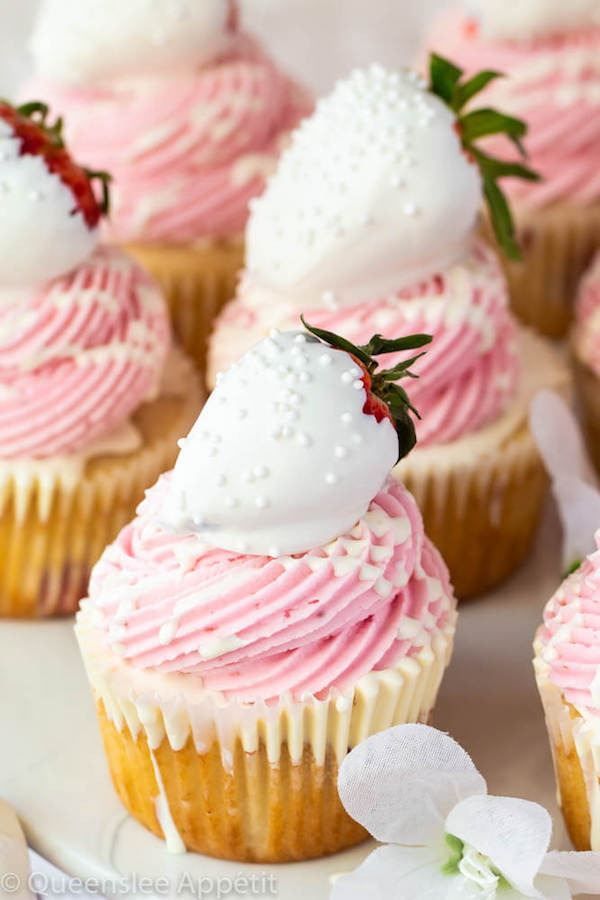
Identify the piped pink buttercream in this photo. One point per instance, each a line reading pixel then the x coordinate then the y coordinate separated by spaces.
pixel 254 627
pixel 554 85
pixel 470 372
pixel 187 153
pixel 570 635
pixel 78 356
pixel 586 333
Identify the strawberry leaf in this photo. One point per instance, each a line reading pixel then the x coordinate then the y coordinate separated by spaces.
pixel 401 371
pixel 397 399
pixel 464 92
pixel 38 112
pixel 339 343
pixel 105 180
pixel 483 122
pixel 499 168
pixel 28 110
pixel 445 77
pixel 502 220
pixel 407 435
pixel 379 345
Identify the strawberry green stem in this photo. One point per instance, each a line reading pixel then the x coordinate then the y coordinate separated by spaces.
pixel 383 382
pixel 447 84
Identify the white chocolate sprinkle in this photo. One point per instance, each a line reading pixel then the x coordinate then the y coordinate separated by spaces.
pixel 167 632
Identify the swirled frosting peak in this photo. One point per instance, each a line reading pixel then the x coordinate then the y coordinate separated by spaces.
pixel 471 371
pixel 78 356
pixel 92 40
pixel 523 19
pixel 187 150
pixel 254 627
pixel 358 207
pixel 284 456
pixel 570 636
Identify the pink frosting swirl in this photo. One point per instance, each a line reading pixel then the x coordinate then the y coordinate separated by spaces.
pixel 256 628
pixel 554 85
pixel 187 153
pixel 470 372
pixel 570 635
pixel 78 356
pixel 586 332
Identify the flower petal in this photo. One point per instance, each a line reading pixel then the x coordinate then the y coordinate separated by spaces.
pixel 559 439
pixel 401 784
pixel 551 888
pixel 581 870
pixel 579 505
pixel 403 873
pixel 514 834
pixel 561 444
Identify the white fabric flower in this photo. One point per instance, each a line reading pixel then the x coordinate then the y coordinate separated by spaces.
pixel 574 483
pixel 417 790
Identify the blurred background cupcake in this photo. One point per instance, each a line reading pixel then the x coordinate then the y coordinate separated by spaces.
pixel 551 52
pixel 274 603
pixel 371 224
pixel 585 346
pixel 567 666
pixel 189 115
pixel 92 396
pixel 567 644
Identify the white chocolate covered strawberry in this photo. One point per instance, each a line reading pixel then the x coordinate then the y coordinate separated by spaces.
pixel 380 189
pixel 49 213
pixel 353 193
pixel 293 444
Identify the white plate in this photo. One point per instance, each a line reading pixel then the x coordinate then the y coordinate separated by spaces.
pixel 52 766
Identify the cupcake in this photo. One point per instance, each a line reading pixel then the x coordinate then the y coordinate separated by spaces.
pixel 274 603
pixel 567 666
pixel 371 224
pixel 585 345
pixel 92 396
pixel 189 115
pixel 567 645
pixel 550 50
